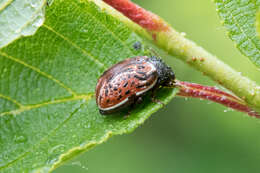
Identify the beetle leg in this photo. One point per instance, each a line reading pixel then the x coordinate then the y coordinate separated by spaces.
pixel 102 112
pixel 132 100
pixel 129 111
pixel 155 100
pixel 136 100
pixel 128 114
pixel 139 100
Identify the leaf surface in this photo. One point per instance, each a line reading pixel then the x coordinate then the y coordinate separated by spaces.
pixel 239 18
pixel 48 112
pixel 258 23
pixel 19 18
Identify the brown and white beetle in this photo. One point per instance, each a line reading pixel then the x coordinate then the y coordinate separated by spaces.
pixel 126 82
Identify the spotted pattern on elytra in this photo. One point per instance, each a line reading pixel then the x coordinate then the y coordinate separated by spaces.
pixel 126 82
pixel 128 79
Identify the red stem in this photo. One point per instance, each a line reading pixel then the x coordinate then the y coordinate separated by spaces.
pixel 212 93
pixel 142 17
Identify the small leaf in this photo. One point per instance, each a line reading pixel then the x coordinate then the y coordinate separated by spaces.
pixel 19 18
pixel 48 112
pixel 239 17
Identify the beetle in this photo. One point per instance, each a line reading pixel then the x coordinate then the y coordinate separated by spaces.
pixel 126 82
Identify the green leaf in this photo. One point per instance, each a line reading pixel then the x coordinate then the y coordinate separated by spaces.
pixel 19 18
pixel 258 23
pixel 48 112
pixel 239 17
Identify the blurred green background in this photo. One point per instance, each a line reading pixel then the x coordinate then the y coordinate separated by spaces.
pixel 188 135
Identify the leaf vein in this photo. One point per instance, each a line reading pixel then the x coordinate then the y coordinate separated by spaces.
pixel 38 71
pixel 22 109
pixel 11 100
pixel 99 63
pixel 110 31
pixel 45 138
pixel 32 17
pixel 6 5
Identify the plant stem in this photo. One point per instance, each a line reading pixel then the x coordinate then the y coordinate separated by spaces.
pixel 186 50
pixel 187 89
pixel 177 45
